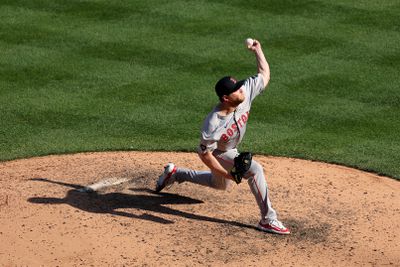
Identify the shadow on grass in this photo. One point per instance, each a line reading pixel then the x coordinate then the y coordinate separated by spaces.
pixel 109 203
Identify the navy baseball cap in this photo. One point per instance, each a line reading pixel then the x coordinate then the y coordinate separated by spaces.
pixel 227 85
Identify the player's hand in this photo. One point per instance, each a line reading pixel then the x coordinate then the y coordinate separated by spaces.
pixel 256 45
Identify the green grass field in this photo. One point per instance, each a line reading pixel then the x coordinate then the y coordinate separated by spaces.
pixel 102 75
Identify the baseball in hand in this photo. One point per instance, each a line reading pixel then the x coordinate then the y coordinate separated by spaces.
pixel 249 42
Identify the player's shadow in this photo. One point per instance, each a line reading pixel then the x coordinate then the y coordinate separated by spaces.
pixel 109 203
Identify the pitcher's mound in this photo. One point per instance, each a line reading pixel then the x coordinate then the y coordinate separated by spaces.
pixel 338 216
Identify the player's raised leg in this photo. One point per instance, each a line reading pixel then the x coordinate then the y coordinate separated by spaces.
pixel 172 174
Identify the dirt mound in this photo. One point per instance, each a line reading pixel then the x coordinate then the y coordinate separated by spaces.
pixel 338 216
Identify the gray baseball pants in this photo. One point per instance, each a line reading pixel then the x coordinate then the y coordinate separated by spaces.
pixel 255 179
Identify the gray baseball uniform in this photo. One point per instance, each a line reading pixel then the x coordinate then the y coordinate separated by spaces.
pixel 221 135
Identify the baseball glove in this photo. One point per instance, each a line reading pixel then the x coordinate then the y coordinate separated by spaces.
pixel 241 165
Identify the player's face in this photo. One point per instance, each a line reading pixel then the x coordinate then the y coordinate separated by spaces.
pixel 236 97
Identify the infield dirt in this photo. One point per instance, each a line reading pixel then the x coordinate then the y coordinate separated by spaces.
pixel 338 216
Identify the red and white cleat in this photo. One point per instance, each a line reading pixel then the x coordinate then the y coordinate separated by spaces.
pixel 167 177
pixel 274 226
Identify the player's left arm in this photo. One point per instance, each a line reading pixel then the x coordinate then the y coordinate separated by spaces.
pixel 262 64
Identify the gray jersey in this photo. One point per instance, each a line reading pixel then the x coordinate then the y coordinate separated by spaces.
pixel 226 132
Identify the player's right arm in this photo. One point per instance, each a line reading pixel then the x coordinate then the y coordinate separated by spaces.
pixel 262 64
pixel 209 159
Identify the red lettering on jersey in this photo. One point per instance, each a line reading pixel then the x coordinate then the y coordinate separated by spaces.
pixel 240 122
pixel 245 117
pixel 234 127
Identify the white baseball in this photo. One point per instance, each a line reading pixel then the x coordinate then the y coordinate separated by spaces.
pixel 249 42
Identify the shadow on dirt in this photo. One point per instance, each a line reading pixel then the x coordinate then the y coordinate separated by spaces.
pixel 147 200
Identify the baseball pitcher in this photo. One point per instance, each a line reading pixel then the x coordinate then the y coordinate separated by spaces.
pixel 222 131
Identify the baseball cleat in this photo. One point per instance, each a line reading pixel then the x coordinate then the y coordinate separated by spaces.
pixel 274 226
pixel 167 178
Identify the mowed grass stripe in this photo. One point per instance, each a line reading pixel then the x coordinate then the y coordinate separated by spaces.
pixel 97 75
pixel 308 45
